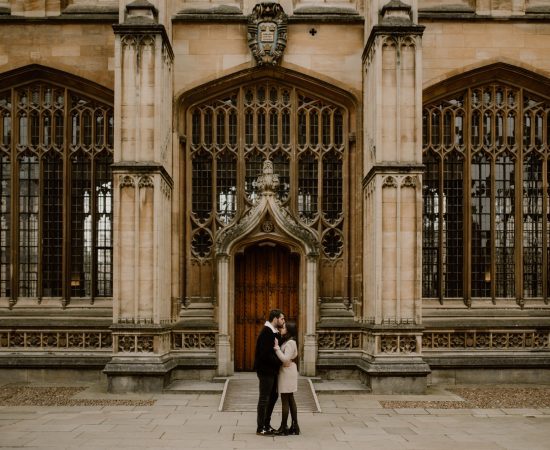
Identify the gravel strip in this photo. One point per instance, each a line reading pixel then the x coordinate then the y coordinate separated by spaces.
pixel 484 398
pixel 57 396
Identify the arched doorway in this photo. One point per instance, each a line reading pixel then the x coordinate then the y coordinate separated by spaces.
pixel 266 278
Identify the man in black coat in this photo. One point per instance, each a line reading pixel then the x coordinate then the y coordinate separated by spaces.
pixel 267 364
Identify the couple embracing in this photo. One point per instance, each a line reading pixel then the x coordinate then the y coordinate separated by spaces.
pixel 276 351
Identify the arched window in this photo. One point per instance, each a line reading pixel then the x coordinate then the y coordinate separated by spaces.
pixel 232 134
pixel 56 151
pixel 486 209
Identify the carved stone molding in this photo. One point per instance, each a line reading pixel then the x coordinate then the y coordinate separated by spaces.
pixel 389 182
pixel 339 340
pixel 146 182
pixel 135 343
pixel 52 340
pixel 267 205
pixel 484 340
pixel 127 181
pixel 267 32
pixel 193 340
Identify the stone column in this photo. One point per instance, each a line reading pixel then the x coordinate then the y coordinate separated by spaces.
pixel 392 201
pixel 310 335
pixel 142 313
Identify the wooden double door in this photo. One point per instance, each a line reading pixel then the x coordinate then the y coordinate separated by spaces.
pixel 266 278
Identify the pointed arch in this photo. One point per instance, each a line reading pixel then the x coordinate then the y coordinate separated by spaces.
pixel 485 242
pixel 60 185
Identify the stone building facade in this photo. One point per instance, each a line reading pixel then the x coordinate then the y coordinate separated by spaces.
pixel 171 170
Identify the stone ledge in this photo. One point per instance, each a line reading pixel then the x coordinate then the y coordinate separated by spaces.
pixel 488 360
pixel 54 361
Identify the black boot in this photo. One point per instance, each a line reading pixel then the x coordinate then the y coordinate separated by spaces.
pixel 282 431
pixel 294 428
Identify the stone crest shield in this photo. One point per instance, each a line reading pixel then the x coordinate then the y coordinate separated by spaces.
pixel 267 32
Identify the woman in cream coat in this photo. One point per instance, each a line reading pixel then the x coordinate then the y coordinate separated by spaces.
pixel 288 378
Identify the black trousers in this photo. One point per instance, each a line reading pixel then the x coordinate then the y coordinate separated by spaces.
pixel 267 399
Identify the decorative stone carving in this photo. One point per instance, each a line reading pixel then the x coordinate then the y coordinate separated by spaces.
pixel 389 182
pixel 126 343
pixel 145 343
pixel 195 340
pixel 486 340
pixel 146 182
pixel 267 32
pixel 47 340
pixel 127 181
pixel 267 226
pixel 339 340
pixel 409 182
pixel 267 183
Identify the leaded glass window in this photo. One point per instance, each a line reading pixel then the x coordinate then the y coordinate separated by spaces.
pixel 483 236
pixel 61 143
pixel 233 134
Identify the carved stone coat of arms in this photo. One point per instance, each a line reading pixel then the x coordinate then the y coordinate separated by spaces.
pixel 267 32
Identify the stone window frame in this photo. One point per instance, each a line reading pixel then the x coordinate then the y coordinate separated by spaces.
pixel 443 97
pixel 298 84
pixel 81 98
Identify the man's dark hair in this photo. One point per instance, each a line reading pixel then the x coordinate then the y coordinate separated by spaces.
pixel 274 313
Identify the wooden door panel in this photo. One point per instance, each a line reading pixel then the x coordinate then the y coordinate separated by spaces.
pixel 266 278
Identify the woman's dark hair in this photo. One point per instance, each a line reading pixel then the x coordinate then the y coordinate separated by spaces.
pixel 291 331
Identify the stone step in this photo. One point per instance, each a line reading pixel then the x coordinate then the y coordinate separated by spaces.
pixel 241 394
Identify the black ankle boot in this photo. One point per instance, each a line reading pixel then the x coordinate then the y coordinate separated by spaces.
pixel 283 431
pixel 294 429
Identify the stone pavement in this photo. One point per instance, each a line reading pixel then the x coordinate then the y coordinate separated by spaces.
pixel 192 421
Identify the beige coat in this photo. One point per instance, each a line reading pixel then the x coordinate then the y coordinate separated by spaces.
pixel 288 376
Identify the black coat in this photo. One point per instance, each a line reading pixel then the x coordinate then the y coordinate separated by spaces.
pixel 265 359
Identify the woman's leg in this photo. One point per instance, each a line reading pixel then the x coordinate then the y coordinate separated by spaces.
pixel 294 428
pixel 285 406
pixel 292 407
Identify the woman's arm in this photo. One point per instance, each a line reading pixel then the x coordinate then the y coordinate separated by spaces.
pixel 287 355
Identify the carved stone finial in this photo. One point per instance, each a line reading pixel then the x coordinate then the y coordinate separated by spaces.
pixel 396 12
pixel 268 182
pixel 267 32
pixel 141 12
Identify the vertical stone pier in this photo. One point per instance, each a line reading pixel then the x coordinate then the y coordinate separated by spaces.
pixel 392 200
pixel 142 171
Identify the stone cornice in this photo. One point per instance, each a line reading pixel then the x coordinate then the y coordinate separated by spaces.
pixel 148 28
pixel 388 30
pixel 397 168
pixel 131 167
pixel 63 18
pixel 294 19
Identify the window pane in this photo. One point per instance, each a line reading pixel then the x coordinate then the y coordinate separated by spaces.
pixel 28 225
pixel 481 226
pixel 81 226
pixel 5 225
pixel 532 226
pixel 226 187
pixel 332 187
pixel 313 127
pixel 52 225
pixel 430 227
pixel 220 127
pixel 453 228
pixel 307 186
pixel 281 167
pixel 504 226
pixel 104 225
pixel 202 186
pixel 254 163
